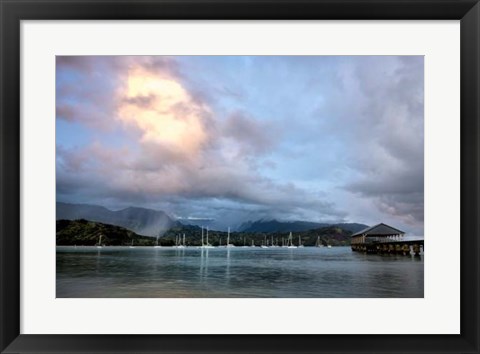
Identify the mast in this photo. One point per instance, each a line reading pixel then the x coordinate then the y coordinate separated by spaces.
pixel 202 235
pixel 299 241
pixel 184 239
pixel 228 237
pixel 207 235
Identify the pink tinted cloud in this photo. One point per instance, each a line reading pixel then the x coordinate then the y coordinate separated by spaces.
pixel 177 145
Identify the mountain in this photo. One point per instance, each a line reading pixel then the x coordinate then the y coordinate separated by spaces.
pixel 140 220
pixel 87 233
pixel 269 226
pixel 278 226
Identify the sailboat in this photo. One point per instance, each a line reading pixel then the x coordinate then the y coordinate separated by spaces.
pixel 100 242
pixel 253 244
pixel 318 243
pixel 180 244
pixel 290 242
pixel 132 246
pixel 178 241
pixel 228 240
pixel 300 242
pixel 264 243
pixel 207 245
pixel 156 243
pixel 273 244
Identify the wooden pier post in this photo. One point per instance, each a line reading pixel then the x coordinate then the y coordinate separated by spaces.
pixel 398 249
pixel 416 249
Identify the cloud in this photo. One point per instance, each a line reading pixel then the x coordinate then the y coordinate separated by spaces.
pixel 99 173
pixel 256 137
pixel 177 149
pixel 84 90
pixel 345 131
pixel 86 86
pixel 385 135
pixel 162 110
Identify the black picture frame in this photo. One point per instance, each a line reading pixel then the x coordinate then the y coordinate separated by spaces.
pixel 14 11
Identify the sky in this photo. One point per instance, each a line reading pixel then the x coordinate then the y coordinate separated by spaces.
pixel 242 138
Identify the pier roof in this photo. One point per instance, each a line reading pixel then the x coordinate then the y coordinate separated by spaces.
pixel 379 230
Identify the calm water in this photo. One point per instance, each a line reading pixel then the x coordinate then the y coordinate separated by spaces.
pixel 236 272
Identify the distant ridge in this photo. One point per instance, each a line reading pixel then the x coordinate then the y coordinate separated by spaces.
pixel 293 226
pixel 154 223
pixel 140 220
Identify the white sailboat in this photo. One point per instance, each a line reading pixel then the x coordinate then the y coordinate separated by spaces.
pixel 228 239
pixel 264 243
pixel 253 244
pixel 132 246
pixel 100 242
pixel 300 242
pixel 318 243
pixel 207 245
pixel 156 243
pixel 180 245
pixel 290 241
pixel 274 244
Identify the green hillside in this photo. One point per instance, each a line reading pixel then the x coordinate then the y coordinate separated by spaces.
pixel 87 233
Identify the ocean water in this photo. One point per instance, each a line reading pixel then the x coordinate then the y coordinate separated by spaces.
pixel 309 272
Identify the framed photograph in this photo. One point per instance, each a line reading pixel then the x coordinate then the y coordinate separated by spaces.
pixel 194 176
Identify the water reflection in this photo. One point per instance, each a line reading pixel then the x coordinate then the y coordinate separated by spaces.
pixel 227 268
pixel 204 263
pixel 235 272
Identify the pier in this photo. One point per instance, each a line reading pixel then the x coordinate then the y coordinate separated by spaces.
pixel 405 248
pixel 384 239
